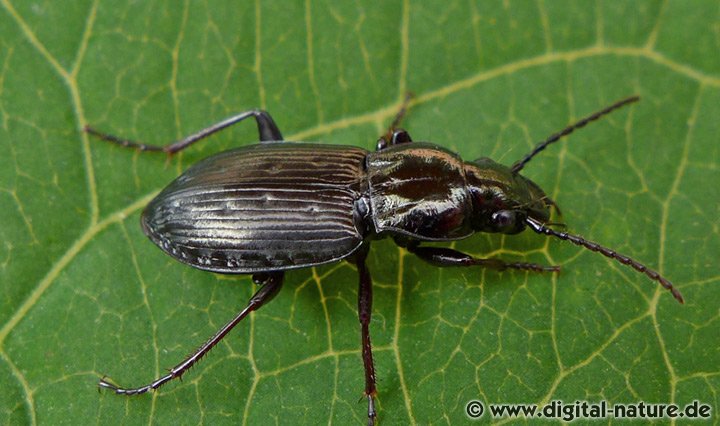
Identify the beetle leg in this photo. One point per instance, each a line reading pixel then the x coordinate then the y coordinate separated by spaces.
pixel 267 129
pixel 442 256
pixel 401 112
pixel 394 135
pixel 271 283
pixel 364 313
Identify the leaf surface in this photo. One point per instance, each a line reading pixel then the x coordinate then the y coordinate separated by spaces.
pixel 85 293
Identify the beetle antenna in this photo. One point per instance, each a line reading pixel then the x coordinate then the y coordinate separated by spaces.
pixel 540 228
pixel 569 129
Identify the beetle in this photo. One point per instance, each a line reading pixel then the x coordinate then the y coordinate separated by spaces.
pixel 267 208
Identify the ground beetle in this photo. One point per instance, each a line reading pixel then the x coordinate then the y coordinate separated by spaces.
pixel 274 206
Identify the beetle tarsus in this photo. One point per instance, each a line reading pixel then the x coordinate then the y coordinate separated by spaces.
pixel 372 413
pixel 442 256
pixel 267 129
pixel 106 384
pixel 127 143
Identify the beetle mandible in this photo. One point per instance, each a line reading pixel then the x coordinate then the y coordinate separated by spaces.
pixel 266 208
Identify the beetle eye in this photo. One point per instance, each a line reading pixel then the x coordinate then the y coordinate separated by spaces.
pixel 505 221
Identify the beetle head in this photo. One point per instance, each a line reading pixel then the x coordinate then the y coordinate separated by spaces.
pixel 503 200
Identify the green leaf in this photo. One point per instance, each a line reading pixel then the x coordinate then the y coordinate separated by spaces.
pixel 84 293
